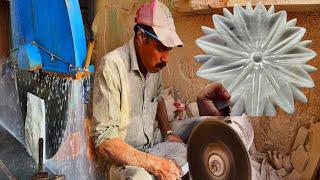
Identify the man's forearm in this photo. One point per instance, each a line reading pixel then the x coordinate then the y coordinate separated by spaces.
pixel 119 152
pixel 162 117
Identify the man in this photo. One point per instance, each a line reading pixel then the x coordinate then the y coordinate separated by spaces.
pixel 127 100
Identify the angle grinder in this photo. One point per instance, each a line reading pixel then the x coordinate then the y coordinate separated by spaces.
pixel 218 149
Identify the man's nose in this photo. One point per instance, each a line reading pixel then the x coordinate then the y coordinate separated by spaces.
pixel 164 60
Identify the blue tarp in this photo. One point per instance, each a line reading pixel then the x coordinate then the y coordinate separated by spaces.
pixel 55 28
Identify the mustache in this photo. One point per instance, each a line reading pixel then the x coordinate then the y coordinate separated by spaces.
pixel 161 65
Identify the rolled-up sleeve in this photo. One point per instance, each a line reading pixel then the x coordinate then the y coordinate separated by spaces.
pixel 106 103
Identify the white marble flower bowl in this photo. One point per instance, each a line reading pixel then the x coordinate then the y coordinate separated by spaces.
pixel 259 57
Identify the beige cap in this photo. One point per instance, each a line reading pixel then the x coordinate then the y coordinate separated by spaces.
pixel 158 16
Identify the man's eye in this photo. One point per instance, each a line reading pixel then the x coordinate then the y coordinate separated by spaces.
pixel 161 49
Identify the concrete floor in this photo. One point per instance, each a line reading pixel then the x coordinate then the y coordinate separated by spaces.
pixel 14 159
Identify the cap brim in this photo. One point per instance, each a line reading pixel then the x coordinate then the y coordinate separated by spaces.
pixel 168 37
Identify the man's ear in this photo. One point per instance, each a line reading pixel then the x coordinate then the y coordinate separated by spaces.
pixel 140 36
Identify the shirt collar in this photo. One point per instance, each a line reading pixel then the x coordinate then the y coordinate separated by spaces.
pixel 133 56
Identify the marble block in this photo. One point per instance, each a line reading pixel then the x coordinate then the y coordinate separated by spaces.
pixel 259 57
pixel 35 126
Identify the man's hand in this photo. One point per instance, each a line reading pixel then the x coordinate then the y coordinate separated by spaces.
pixel 166 170
pixel 119 152
pixel 208 97
pixel 173 138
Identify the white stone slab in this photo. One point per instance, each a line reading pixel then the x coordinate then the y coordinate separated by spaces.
pixel 35 125
pixel 259 57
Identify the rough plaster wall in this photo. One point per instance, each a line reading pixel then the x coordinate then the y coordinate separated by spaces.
pixel 181 70
pixel 114 23
pixel 276 133
pixel 4 29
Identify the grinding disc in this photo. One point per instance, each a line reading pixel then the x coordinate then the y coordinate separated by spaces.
pixel 215 151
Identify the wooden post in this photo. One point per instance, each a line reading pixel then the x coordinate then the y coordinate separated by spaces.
pixel 4 30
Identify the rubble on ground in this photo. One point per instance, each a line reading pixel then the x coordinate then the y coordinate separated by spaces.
pixel 301 137
pixel 177 108
pixel 299 159
pixel 295 164
pixel 282 172
pixel 287 163
pixel 294 175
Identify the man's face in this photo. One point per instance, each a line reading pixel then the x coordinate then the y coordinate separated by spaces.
pixel 154 55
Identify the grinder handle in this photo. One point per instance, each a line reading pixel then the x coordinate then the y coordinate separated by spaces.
pixel 40 165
